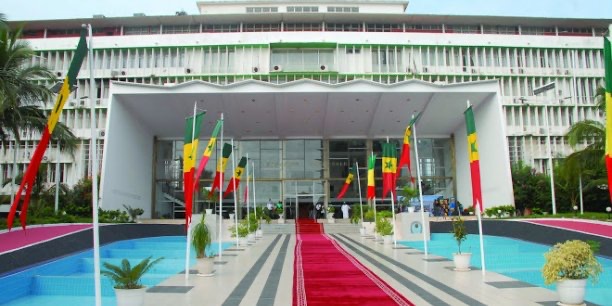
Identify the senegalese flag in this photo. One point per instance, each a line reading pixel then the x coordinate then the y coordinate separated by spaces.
pixel 405 156
pixel 235 181
pixel 221 166
pixel 190 149
pixel 27 182
pixel 608 68
pixel 474 157
pixel 207 152
pixel 389 167
pixel 347 183
pixel 371 184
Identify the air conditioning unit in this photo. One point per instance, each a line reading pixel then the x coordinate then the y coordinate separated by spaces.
pixel 425 69
pixel 59 74
pixel 101 133
pixel 567 72
pixel 45 158
pixel 558 71
pixel 255 69
pixel 409 70
pixel 98 102
pixel 324 68
pixel 114 73
pixel 188 70
pixel 71 104
pixel 277 68
pixel 521 71
pixel 542 131
pixel 81 103
pixel 474 70
pixel 123 72
pixel 511 70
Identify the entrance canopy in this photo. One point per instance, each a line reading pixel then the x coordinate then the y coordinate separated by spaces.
pixel 140 113
pixel 305 108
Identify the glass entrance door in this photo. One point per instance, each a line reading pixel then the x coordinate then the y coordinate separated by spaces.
pixel 301 196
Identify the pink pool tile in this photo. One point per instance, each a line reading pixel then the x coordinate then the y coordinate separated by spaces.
pixel 17 238
pixel 587 227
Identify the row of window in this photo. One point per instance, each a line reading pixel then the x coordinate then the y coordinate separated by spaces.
pixel 344 27
pixel 302 9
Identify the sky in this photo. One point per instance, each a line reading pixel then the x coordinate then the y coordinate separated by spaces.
pixel 67 9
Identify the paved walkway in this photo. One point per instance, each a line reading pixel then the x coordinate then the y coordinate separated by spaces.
pixel 262 274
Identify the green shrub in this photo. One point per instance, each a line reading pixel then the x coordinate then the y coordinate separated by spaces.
pixel 459 232
pixel 572 259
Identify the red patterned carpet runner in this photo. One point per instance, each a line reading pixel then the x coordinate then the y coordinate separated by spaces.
pixel 325 274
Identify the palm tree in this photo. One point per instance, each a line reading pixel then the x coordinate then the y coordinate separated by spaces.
pixel 21 94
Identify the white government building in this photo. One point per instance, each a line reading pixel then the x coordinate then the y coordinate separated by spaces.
pixel 307 89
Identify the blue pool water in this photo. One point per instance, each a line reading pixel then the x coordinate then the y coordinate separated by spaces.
pixel 517 259
pixel 69 280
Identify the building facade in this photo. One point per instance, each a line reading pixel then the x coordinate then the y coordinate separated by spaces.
pixel 334 43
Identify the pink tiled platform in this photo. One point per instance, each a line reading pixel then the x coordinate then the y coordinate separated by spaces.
pixel 578 225
pixel 18 238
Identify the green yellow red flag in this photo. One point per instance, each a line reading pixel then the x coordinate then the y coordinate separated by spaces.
pixel 235 181
pixel 371 184
pixel 349 179
pixel 27 183
pixel 190 149
pixel 608 69
pixel 207 152
pixel 221 166
pixel 389 168
pixel 474 157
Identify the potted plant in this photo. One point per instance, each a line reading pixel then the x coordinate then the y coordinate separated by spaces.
pixel 279 211
pixel 379 226
pixel 570 264
pixel 461 260
pixel 128 288
pixel 368 221
pixel 385 229
pixel 330 214
pixel 253 227
pixel 408 193
pixel 243 232
pixel 133 212
pixel 200 239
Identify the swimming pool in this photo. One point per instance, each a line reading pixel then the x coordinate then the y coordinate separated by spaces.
pixel 514 258
pixel 69 280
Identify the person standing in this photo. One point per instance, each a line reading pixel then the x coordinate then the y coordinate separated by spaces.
pixel 270 208
pixel 318 210
pixel 345 210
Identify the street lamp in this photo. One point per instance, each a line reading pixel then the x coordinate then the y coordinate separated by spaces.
pixel 575 211
pixel 608 210
pixel 536 91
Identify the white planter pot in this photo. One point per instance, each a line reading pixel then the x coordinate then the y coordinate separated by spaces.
pixel 259 233
pixel 205 266
pixel 281 221
pixel 231 216
pixel 411 209
pixel 377 237
pixel 208 211
pixel 242 241
pixel 251 237
pixel 462 261
pixel 571 291
pixel 387 240
pixel 130 297
pixel 331 220
pixel 362 231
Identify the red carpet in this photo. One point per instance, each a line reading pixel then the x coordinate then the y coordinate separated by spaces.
pixel 325 274
pixel 583 226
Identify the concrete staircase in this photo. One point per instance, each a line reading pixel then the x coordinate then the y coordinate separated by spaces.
pixel 340 227
pixel 275 228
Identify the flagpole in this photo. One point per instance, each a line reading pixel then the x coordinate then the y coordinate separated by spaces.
pixel 235 191
pixel 248 202
pixel 94 174
pixel 189 188
pixel 220 249
pixel 478 214
pixel 360 198
pixel 254 194
pixel 418 168
pixel 374 197
pixel 392 208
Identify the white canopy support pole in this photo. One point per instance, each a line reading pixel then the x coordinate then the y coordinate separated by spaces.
pixel 236 191
pixel 57 180
pixel 482 254
pixel 220 239
pixel 94 173
pixel 188 239
pixel 297 200
pixel 360 197
pixel 248 207
pixel 418 169
pixel 253 184
pixel 393 216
